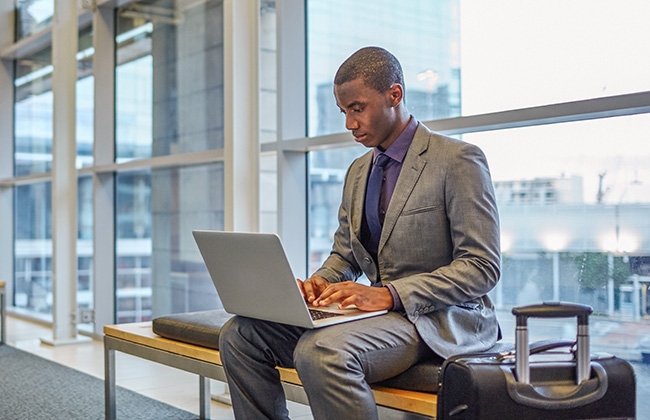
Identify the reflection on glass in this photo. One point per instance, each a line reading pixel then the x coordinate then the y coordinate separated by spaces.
pixel 268 79
pixel 85 244
pixel 33 113
pixel 159 269
pixel 424 36
pixel 169 78
pixel 33 247
pixel 327 170
pixel 32 16
pixel 34 109
pixel 568 198
pixel 85 96
pixel 574 208
pixel 268 193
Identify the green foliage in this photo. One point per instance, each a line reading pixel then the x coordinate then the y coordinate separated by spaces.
pixel 594 272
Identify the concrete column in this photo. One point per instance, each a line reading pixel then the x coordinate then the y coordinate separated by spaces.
pixel 6 147
pixel 64 177
pixel 241 110
pixel 292 117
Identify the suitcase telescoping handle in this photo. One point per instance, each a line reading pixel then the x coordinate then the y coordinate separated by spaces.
pixel 552 310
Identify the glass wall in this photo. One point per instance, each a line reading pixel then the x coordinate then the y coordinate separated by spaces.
pixel 85 97
pixel 33 132
pixel 33 113
pixel 547 178
pixel 569 197
pixel 169 101
pixel 169 78
pixel 33 248
pixel 518 54
pixel 33 16
pixel 159 269
pixel 424 36
pixel 573 197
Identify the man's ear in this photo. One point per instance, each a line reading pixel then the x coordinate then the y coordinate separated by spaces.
pixel 396 94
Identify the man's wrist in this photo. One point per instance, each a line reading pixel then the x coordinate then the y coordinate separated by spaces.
pixel 397 302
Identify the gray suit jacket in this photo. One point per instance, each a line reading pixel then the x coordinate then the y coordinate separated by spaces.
pixel 439 245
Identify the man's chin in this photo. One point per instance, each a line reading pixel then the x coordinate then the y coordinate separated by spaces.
pixel 364 140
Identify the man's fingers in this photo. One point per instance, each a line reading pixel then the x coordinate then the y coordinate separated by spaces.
pixel 308 290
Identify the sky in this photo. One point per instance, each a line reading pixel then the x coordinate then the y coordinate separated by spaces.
pixel 523 53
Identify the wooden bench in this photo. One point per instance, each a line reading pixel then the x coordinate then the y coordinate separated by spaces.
pixel 138 339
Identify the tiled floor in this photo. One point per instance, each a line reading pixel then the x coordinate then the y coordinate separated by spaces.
pixel 172 386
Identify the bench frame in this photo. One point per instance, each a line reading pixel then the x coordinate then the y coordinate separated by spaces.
pixel 3 313
pixel 137 339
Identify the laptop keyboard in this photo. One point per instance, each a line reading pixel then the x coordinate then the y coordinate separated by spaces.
pixel 317 314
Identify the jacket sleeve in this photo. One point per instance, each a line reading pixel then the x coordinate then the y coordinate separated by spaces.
pixel 460 233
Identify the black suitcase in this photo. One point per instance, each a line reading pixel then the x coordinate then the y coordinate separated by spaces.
pixel 540 383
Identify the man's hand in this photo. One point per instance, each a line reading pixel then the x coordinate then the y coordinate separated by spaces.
pixel 313 287
pixel 348 293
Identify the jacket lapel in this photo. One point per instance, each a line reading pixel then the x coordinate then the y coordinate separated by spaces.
pixel 411 170
pixel 359 193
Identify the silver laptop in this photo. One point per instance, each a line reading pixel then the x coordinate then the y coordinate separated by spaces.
pixel 253 278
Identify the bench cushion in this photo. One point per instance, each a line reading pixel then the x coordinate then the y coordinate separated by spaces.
pixel 202 329
pixel 198 328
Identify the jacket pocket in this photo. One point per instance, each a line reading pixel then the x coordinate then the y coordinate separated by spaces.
pixel 421 210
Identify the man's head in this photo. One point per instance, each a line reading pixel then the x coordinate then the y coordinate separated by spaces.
pixel 369 90
pixel 378 69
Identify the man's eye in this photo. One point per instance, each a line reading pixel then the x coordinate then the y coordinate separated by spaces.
pixel 357 109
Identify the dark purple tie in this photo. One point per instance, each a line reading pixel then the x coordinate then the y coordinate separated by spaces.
pixel 373 192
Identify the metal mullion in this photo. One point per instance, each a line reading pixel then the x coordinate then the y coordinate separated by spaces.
pixel 158 162
pixel 611 106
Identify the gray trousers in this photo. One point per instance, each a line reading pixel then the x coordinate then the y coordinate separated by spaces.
pixel 335 364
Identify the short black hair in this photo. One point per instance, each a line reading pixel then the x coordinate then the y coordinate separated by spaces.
pixel 378 68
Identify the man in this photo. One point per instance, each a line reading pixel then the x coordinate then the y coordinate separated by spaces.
pixel 429 243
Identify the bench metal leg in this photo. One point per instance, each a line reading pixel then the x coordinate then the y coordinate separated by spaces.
pixel 3 314
pixel 109 383
pixel 204 391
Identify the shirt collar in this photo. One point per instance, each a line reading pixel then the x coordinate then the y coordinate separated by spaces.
pixel 400 146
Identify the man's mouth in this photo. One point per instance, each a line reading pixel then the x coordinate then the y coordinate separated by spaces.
pixel 358 137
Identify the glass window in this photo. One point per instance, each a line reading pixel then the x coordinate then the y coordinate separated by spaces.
pixel 85 91
pixel 268 77
pixel 482 56
pixel 327 170
pixel 574 198
pixel 34 109
pixel 268 193
pixel 33 16
pixel 570 198
pixel 517 54
pixel 159 268
pixel 169 79
pixel 424 36
pixel 33 248
pixel 33 113
pixel 85 250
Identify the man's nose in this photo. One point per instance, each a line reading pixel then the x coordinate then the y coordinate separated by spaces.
pixel 351 123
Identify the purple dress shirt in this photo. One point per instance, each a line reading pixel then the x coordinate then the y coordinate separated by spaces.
pixel 397 152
